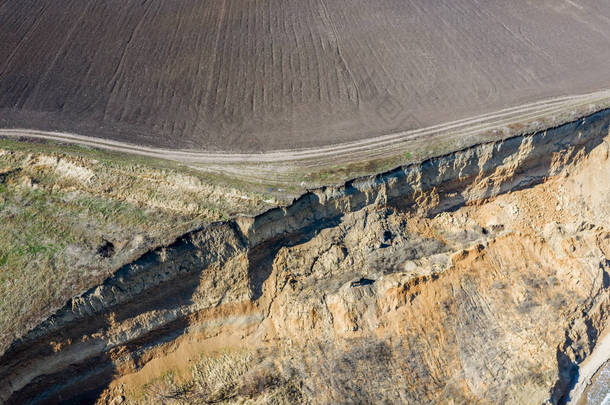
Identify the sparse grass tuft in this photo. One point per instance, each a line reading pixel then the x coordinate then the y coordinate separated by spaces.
pixel 57 207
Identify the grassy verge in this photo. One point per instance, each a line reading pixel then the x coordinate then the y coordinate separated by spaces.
pixel 70 216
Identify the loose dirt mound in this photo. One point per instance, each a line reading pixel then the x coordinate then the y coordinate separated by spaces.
pixel 248 76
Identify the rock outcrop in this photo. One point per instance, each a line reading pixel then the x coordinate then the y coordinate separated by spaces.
pixel 481 275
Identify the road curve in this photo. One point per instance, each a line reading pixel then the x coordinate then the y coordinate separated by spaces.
pixel 358 150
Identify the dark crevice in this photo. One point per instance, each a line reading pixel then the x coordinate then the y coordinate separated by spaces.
pixel 362 282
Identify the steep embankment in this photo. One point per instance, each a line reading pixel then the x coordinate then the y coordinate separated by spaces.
pixel 479 275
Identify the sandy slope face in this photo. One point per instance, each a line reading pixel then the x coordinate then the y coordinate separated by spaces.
pixel 257 76
pixel 476 305
pixel 480 276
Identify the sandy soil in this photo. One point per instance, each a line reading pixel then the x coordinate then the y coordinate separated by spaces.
pixel 248 76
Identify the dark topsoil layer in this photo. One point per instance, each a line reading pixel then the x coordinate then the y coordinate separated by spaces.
pixel 245 75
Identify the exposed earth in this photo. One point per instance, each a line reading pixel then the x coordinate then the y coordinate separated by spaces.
pixel 480 276
pixel 316 201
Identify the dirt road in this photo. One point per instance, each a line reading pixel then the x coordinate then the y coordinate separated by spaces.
pixel 552 109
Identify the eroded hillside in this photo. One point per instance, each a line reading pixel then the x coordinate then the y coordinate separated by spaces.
pixel 476 277
pixel 69 217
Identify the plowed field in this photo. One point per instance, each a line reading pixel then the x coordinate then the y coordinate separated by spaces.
pixel 261 75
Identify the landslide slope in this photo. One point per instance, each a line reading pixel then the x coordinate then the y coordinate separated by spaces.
pixel 238 75
pixel 481 276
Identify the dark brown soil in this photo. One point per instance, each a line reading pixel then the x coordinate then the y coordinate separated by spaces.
pixel 245 75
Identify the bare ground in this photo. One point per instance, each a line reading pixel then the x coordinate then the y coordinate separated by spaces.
pixel 245 76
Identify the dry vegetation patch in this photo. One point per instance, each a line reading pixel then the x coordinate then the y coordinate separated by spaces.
pixel 67 220
pixel 238 376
